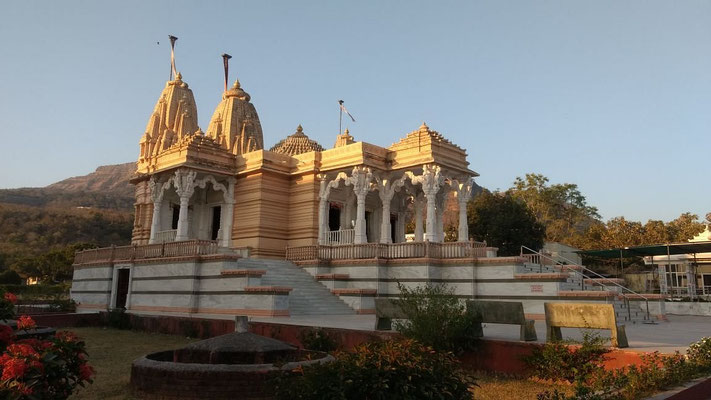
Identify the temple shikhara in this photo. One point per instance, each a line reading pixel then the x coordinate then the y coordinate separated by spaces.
pixel 225 225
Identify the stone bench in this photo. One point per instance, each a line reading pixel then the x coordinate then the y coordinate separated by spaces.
pixel 386 310
pixel 502 312
pixel 583 315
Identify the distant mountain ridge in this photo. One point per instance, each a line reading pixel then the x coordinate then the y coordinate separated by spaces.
pixel 107 188
pixel 106 178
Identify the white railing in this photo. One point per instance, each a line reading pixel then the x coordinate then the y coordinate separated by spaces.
pixel 343 236
pixel 424 249
pixel 129 253
pixel 166 236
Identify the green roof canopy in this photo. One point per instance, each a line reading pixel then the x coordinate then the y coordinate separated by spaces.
pixel 652 250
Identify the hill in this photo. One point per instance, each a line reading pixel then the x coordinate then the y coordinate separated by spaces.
pixel 106 188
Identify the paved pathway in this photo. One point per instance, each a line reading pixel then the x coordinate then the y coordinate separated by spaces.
pixel 665 337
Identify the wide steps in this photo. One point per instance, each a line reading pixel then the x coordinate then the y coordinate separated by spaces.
pixel 307 297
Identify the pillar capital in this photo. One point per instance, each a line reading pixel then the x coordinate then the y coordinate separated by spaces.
pixel 184 182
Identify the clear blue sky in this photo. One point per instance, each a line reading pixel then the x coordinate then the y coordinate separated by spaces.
pixel 614 96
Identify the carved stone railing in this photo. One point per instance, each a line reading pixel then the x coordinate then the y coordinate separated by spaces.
pixel 166 236
pixel 131 253
pixel 343 236
pixel 424 249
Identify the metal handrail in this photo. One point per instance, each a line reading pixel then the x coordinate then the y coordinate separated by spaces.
pixel 646 300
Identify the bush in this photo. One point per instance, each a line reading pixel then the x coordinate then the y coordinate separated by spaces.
pixel 10 277
pixel 436 318
pixel 656 372
pixel 700 352
pixel 389 370
pixel 39 368
pixel 560 361
pixel 118 319
pixel 318 339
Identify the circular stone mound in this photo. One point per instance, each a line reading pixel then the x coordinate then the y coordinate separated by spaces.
pixel 232 366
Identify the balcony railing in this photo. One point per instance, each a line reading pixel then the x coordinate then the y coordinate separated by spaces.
pixel 129 253
pixel 343 236
pixel 424 249
pixel 166 236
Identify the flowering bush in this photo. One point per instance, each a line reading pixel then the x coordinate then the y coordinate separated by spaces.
pixel 700 352
pixel 39 368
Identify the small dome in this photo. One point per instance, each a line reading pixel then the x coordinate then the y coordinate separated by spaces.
pixel 297 143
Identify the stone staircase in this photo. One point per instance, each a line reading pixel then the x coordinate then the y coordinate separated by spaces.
pixel 625 311
pixel 307 297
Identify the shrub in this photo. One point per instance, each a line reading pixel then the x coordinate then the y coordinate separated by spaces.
pixel 10 277
pixel 318 339
pixel 379 370
pixel 700 352
pixel 118 319
pixel 39 369
pixel 560 361
pixel 436 318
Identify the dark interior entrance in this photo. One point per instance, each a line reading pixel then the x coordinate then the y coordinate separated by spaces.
pixel 122 287
pixel 216 213
pixel 393 227
pixel 176 216
pixel 334 218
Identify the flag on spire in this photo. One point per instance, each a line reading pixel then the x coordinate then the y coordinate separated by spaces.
pixel 226 62
pixel 343 108
pixel 173 72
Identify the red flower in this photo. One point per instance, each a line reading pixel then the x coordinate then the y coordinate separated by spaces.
pixel 22 349
pixel 86 372
pixel 26 322
pixel 66 336
pixel 14 368
pixel 10 297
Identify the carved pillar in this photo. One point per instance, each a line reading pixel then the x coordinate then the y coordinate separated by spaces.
pixel 157 197
pixel 185 188
pixel 431 181
pixel 228 214
pixel 386 191
pixel 419 229
pixel 464 193
pixel 360 179
pixel 322 209
pixel 440 200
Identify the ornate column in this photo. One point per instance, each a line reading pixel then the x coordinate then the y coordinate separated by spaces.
pixel 464 193
pixel 228 213
pixel 185 188
pixel 386 190
pixel 440 201
pixel 322 209
pixel 360 179
pixel 157 197
pixel 419 229
pixel 431 179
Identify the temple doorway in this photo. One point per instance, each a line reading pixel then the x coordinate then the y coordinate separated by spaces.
pixel 215 230
pixel 123 278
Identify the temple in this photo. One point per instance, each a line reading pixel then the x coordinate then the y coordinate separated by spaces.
pixel 225 226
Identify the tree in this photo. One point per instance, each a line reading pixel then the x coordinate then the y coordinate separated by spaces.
pixel 504 222
pixel 561 208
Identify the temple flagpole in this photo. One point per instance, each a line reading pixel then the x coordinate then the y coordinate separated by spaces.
pixel 172 56
pixel 226 61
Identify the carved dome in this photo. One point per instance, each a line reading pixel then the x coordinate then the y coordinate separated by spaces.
pixel 297 143
pixel 174 117
pixel 235 124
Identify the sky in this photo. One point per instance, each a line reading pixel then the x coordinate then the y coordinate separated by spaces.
pixel 613 96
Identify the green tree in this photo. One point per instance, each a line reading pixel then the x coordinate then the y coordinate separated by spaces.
pixel 561 208
pixel 505 222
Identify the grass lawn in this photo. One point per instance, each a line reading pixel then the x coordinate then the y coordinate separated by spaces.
pixel 497 387
pixel 111 352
